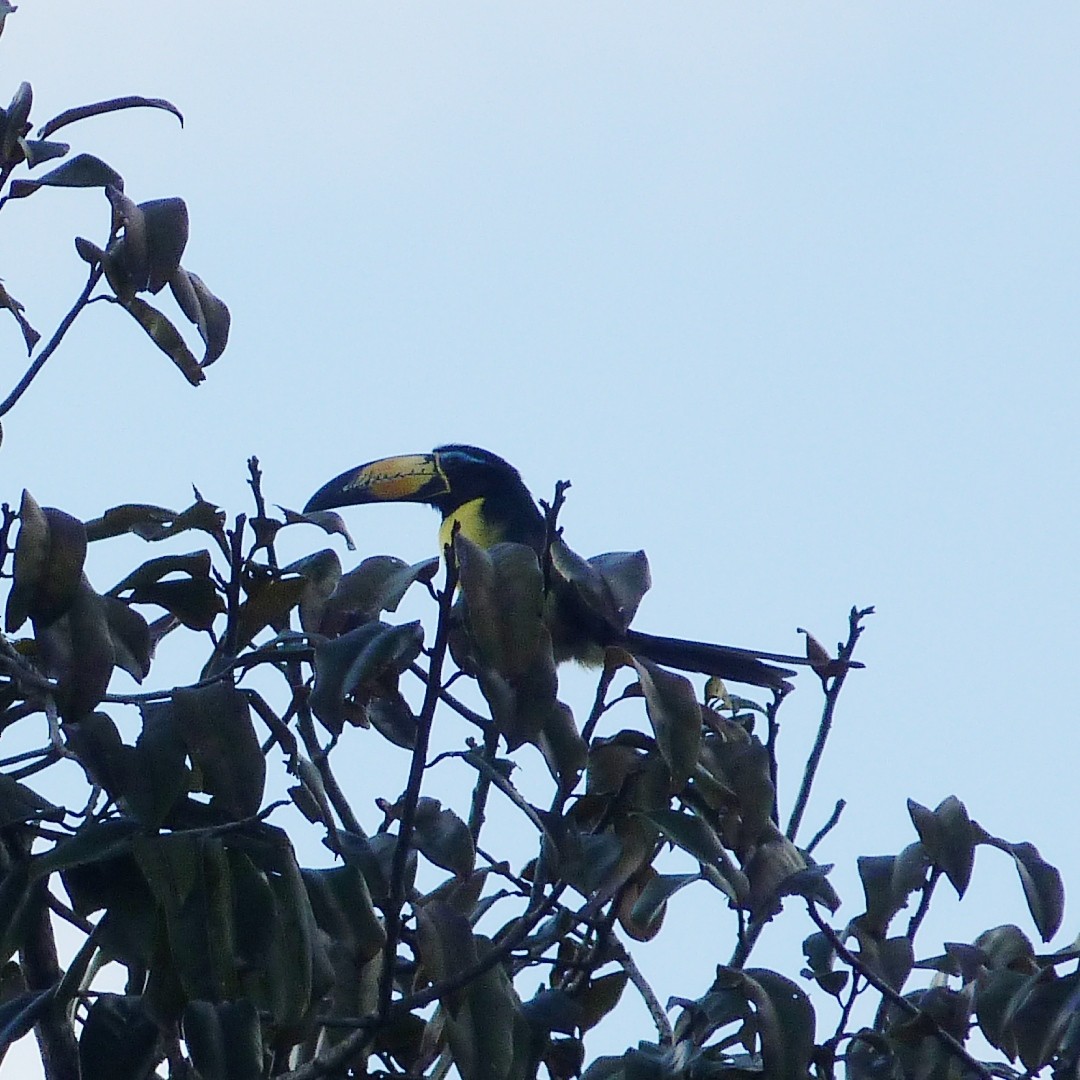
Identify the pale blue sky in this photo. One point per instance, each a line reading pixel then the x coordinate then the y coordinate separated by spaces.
pixel 787 290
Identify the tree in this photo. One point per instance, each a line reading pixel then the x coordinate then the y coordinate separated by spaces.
pixel 421 947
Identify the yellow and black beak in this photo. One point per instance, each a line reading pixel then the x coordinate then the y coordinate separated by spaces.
pixel 415 478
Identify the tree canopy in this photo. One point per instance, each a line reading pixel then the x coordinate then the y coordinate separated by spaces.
pixel 432 942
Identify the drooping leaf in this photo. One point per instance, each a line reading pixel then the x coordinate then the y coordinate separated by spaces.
pixel 18 113
pixel 209 313
pixel 949 838
pixel 96 841
pixel 224 1039
pixel 443 838
pixel 356 664
pixel 160 775
pixel 30 335
pixel 119 1039
pixel 81 171
pixel 216 725
pixel 343 909
pixel 675 716
pixel 166 337
pixel 1043 889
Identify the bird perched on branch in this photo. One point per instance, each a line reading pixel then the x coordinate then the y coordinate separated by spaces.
pixel 485 497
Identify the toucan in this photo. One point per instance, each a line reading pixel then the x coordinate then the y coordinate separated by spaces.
pixel 485 497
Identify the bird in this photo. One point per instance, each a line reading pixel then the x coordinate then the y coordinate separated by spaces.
pixel 484 496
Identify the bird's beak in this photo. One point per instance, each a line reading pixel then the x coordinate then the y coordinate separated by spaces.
pixel 409 478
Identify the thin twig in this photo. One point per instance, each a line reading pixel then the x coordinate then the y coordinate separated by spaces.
pixel 619 953
pixel 832 693
pixel 58 335
pixel 396 900
pixel 828 827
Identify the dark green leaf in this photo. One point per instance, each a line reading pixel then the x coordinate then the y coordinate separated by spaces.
pixel 94 842
pixel 443 838
pixel 343 909
pixel 220 737
pixel 224 1039
pixel 119 1039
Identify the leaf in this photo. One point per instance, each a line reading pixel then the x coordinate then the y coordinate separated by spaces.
pixel 949 838
pixel 20 804
pixel 130 636
pixel 599 997
pixel 443 838
pixel 225 1039
pixel 166 224
pixel 194 564
pixel 99 108
pixel 321 572
pixel 376 585
pixel 358 664
pixel 93 843
pixel 268 603
pixel 18 112
pixel 1043 888
pixel 50 551
pixel 343 909
pixel 330 521
pixel 38 150
pixel 216 726
pixel 166 337
pixel 81 171
pixel 675 716
pixel 195 602
pixel 30 335
pixel 160 775
pixel 690 833
pixel 209 314
pixel 652 900
pixel 31 555
pixel 785 1022
pixel 148 522
pixel 119 1039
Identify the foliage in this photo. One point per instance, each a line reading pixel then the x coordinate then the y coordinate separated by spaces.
pixel 416 949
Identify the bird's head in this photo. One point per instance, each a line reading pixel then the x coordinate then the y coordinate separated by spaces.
pixel 469 486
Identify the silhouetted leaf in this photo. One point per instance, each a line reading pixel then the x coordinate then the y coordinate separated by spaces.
pixel 196 602
pixel 18 112
pixel 149 522
pixel 209 314
pixel 81 171
pixel 443 838
pixel 1043 889
pixel 355 663
pixel 949 839
pixel 30 335
pixel 166 337
pixel 99 108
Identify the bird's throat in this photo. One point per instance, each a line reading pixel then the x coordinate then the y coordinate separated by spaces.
pixel 474 525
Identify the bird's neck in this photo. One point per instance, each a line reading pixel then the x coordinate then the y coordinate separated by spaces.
pixel 470 518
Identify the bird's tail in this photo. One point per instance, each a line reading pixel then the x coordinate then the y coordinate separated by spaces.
pixel 724 661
